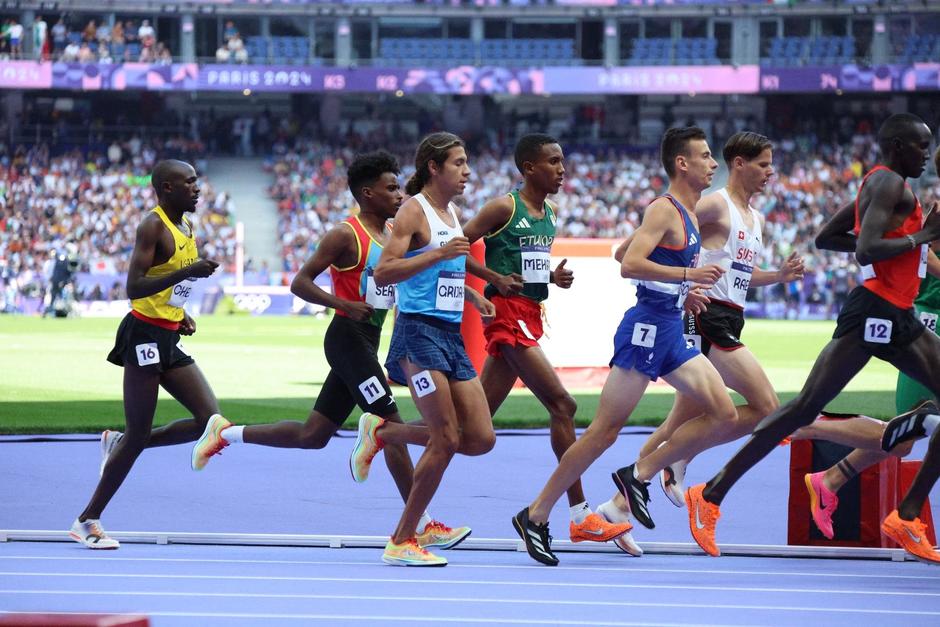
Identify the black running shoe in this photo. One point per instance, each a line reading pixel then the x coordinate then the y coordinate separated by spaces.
pixel 908 426
pixel 637 494
pixel 537 541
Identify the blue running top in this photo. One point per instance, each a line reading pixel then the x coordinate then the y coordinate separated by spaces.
pixel 668 297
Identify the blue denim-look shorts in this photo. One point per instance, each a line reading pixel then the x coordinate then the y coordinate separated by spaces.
pixel 429 343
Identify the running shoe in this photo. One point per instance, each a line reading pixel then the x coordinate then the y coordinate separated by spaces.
pixel 109 440
pixel 637 494
pixel 595 529
pixel 439 536
pixel 703 516
pixel 911 535
pixel 211 442
pixel 538 543
pixel 907 426
pixel 671 479
pixel 92 534
pixel 366 448
pixel 408 553
pixel 822 502
pixel 613 514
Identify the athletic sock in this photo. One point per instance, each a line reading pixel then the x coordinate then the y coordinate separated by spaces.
pixel 579 512
pixel 423 521
pixel 233 435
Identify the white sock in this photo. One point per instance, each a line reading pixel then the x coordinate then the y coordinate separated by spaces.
pixel 579 512
pixel 233 434
pixel 635 476
pixel 613 513
pixel 423 521
pixel 931 422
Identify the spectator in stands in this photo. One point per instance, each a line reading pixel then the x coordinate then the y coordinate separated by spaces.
pixel 222 54
pixel 90 33
pixel 39 38
pixel 146 34
pixel 59 36
pixel 71 51
pixel 16 39
pixel 230 31
pixel 237 49
pixel 104 52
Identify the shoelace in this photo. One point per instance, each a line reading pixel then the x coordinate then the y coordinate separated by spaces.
pixel 543 531
pixel 96 530
pixel 435 525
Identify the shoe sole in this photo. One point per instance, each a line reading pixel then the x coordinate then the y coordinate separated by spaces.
pixel 449 545
pixel 590 538
pixel 889 533
pixel 814 504
pixel 391 561
pixel 356 448
pixel 619 541
pixel 92 546
pixel 624 491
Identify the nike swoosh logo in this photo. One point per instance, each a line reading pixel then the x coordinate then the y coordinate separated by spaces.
pixel 593 532
pixel 698 521
pixel 910 535
pixel 182 246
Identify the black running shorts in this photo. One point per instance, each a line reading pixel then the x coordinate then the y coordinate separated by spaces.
pixel 148 347
pixel 355 377
pixel 882 328
pixel 719 326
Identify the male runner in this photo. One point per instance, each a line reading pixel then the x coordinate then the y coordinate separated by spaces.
pixel 519 229
pixel 649 342
pixel 351 251
pixel 163 265
pixel 425 255
pixel 889 237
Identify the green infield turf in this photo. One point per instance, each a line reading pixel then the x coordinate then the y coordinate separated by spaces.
pixel 54 378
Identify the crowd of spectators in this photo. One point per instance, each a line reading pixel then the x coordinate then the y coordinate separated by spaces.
pixel 604 195
pixel 232 48
pixel 86 207
pixel 95 41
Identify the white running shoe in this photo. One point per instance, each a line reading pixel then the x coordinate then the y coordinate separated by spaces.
pixel 109 440
pixel 92 534
pixel 613 514
pixel 672 480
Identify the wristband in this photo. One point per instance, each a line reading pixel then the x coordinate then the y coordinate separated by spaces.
pixel 685 272
pixel 913 242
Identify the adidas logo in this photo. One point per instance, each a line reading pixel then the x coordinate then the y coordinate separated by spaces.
pixel 692 239
pixel 523 224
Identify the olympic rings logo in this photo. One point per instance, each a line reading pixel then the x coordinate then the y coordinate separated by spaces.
pixel 255 303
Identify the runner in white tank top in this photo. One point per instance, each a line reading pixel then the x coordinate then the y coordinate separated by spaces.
pixel 731 237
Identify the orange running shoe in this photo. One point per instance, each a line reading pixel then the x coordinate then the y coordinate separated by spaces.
pixel 211 442
pixel 596 529
pixel 703 516
pixel 408 553
pixel 911 535
pixel 438 535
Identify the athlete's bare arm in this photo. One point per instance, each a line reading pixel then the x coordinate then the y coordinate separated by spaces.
pixel 411 232
pixel 661 225
pixel 153 246
pixel 492 217
pixel 337 248
pixel 714 222
pixel 838 233
pixel 485 307
pixel 622 249
pixel 886 204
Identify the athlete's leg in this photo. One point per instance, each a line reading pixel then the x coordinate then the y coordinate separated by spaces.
pixel 315 433
pixel 921 362
pixel 683 410
pixel 698 379
pixel 140 402
pixel 474 422
pixel 838 362
pixel 497 379
pixel 434 401
pixel 530 363
pixel 622 391
pixel 188 386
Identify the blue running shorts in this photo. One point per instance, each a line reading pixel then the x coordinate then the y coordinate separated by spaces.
pixel 429 343
pixel 651 343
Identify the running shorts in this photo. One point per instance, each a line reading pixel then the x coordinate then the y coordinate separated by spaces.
pixel 429 343
pixel 719 326
pixel 518 322
pixel 356 376
pixel 651 343
pixel 148 346
pixel 882 328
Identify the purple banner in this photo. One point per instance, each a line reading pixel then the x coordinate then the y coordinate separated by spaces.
pixel 25 75
pixel 652 80
pixel 877 78
pixel 118 77
pixel 292 78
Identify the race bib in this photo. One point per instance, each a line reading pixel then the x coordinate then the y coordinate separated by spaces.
pixel 868 272
pixel 423 384
pixel 371 389
pixel 878 330
pixel 147 354
pixel 379 297
pixel 644 335
pixel 922 268
pixel 536 264
pixel 450 291
pixel 929 320
pixel 181 292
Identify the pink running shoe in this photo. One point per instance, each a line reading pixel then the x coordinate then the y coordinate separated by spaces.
pixel 822 502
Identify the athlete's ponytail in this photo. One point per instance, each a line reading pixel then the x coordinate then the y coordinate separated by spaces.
pixel 434 147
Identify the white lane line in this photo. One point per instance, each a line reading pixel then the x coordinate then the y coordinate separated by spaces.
pixel 626 568
pixel 453 582
pixel 379 617
pixel 439 599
